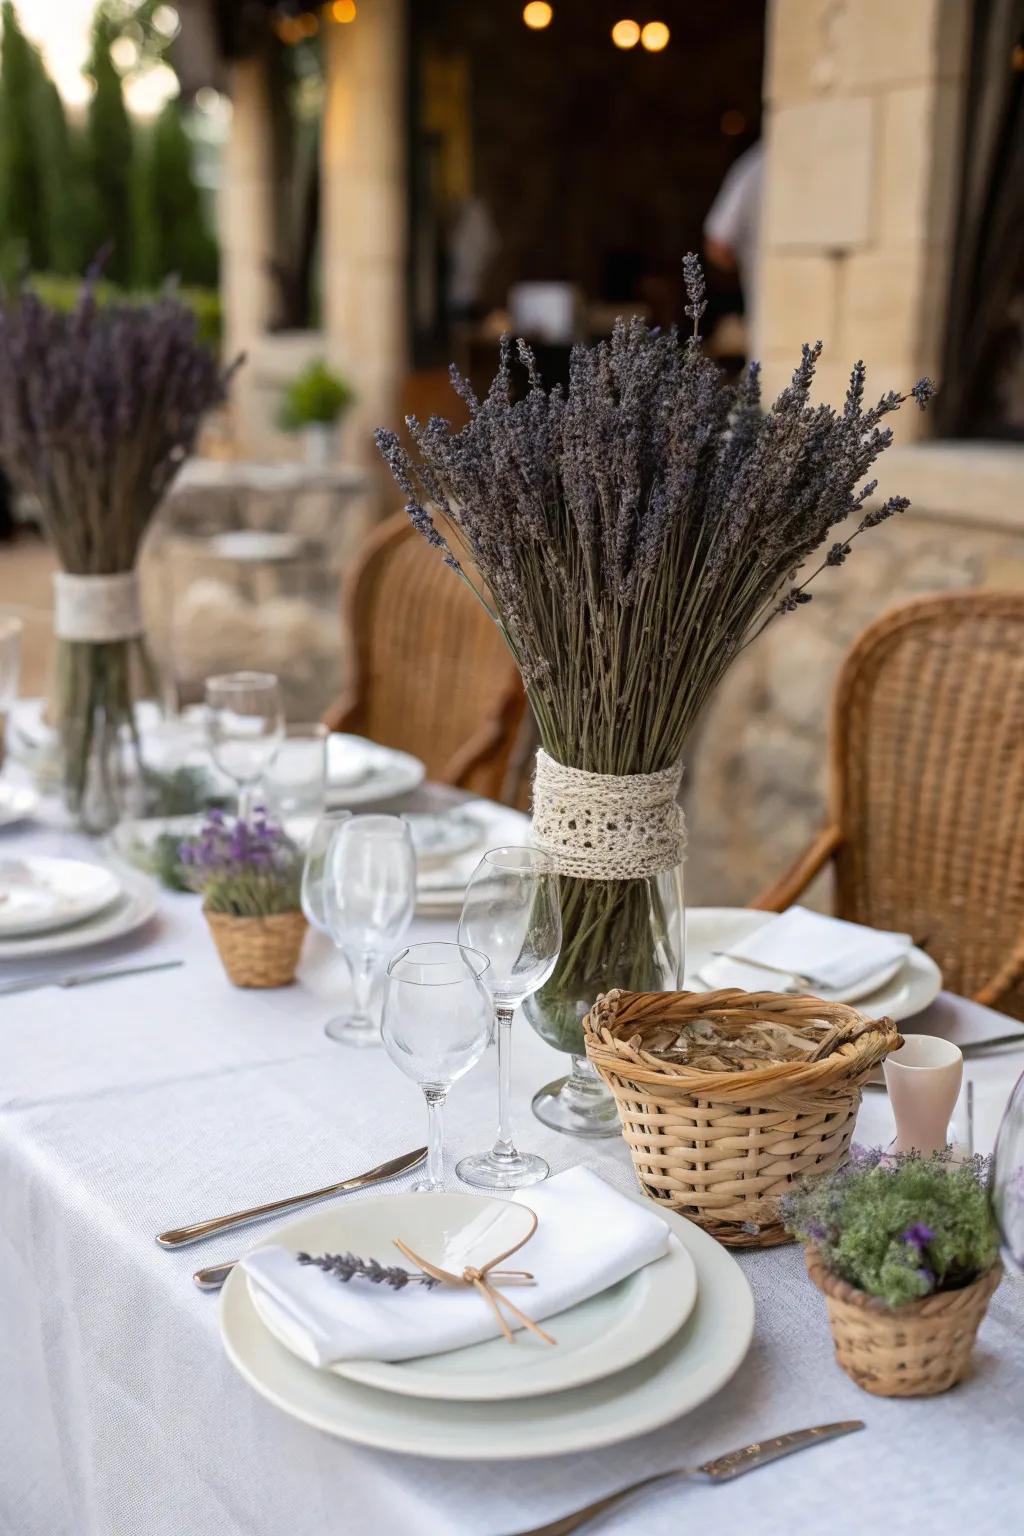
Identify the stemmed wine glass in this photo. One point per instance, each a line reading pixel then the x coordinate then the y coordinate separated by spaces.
pixel 369 896
pixel 511 914
pixel 1007 1186
pixel 245 728
pixel 435 1026
pixel 312 892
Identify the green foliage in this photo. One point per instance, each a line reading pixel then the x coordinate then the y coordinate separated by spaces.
pixel 62 293
pixel 314 395
pixel 109 145
pixel 173 236
pixel 899 1228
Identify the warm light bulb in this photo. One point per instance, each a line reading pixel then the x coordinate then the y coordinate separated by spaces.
pixel 655 36
pixel 537 15
pixel 626 34
pixel 343 11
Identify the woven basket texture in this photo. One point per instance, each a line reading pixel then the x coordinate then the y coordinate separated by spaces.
pixel 258 951
pixel 722 1147
pixel 912 1351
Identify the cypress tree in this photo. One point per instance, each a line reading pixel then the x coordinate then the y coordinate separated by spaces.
pixel 180 243
pixel 22 206
pixel 109 147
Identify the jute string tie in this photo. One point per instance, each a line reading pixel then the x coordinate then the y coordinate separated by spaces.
pixel 96 608
pixel 607 826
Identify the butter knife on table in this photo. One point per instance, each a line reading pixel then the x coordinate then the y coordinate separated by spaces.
pixel 180 1237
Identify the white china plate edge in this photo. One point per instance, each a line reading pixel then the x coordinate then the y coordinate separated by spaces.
pixel 696 1363
pixel 17 803
pixel 71 892
pixel 389 773
pixel 136 906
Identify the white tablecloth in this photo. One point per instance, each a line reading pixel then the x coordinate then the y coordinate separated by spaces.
pixel 150 1101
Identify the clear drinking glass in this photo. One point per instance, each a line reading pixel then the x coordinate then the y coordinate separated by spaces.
pixel 312 890
pixel 1007 1187
pixel 245 728
pixel 511 914
pixel 294 783
pixel 369 896
pixel 435 1026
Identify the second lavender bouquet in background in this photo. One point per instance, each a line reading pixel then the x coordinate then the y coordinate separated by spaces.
pixel 629 537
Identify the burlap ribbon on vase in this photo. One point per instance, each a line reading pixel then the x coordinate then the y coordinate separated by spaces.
pixel 95 609
pixel 606 826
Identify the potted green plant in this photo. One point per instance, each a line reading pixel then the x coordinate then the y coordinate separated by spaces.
pixel 313 404
pixel 905 1251
pixel 249 875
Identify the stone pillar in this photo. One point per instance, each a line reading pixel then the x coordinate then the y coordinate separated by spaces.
pixel 363 239
pixel 247 225
pixel 862 129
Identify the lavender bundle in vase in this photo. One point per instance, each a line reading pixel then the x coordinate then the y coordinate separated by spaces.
pixel 629 537
pixel 98 408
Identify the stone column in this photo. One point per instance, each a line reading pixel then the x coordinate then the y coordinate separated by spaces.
pixel 363 219
pixel 862 128
pixel 247 226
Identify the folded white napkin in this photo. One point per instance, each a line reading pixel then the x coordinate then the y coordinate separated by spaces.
pixel 831 953
pixel 588 1237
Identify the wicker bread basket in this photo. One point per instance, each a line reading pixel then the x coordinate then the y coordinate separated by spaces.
pixel 258 951
pixel 912 1351
pixel 721 1147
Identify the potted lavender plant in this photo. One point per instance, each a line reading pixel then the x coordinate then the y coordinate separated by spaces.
pixel 249 876
pixel 629 537
pixel 906 1253
pixel 98 409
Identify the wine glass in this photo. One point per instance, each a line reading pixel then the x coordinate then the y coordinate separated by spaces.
pixel 245 727
pixel 311 891
pixel 435 1026
pixel 369 896
pixel 1007 1186
pixel 511 914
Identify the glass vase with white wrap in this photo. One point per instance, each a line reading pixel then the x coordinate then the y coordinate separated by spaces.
pixel 630 536
pixel 98 408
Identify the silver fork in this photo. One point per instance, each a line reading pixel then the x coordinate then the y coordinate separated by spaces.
pixel 721 1470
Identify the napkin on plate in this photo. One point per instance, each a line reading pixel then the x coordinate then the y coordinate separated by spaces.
pixel 831 953
pixel 588 1237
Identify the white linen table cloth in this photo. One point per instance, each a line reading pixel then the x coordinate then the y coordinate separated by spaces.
pixel 142 1103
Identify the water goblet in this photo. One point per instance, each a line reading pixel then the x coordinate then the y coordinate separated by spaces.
pixel 369 896
pixel 312 888
pixel 1007 1180
pixel 295 781
pixel 245 727
pixel 435 1026
pixel 511 914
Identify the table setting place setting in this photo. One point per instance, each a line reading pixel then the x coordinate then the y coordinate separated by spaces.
pixel 638 1199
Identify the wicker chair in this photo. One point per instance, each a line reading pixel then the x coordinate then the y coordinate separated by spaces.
pixel 927 789
pixel 432 675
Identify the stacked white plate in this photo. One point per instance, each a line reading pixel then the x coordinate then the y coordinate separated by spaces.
pixel 638 1355
pixel 450 845
pixel 49 906
pixel 896 991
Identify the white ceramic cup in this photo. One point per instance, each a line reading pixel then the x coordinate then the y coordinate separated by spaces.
pixel 923 1079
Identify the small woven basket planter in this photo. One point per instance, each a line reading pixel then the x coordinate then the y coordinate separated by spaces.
pixel 912 1351
pixel 258 951
pixel 722 1147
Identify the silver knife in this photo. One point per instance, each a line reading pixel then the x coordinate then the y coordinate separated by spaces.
pixel 84 978
pixel 179 1237
pixel 721 1470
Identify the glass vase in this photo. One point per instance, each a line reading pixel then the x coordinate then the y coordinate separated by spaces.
pixel 616 933
pixel 99 684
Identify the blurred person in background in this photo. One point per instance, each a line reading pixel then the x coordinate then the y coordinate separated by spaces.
pixel 732 230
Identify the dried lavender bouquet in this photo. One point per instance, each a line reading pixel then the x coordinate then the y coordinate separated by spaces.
pixel 629 537
pixel 98 408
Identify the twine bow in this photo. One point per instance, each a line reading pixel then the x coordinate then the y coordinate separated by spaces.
pixel 480 1280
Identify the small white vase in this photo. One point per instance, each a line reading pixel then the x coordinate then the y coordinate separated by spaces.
pixel 923 1079
pixel 319 439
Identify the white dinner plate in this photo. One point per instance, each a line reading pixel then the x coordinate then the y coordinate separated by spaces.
pixel 17 801
pixel 360 772
pixel 694 1364
pixel 438 836
pixel 38 895
pixel 441 884
pixel 897 993
pixel 135 906
pixel 607 1333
